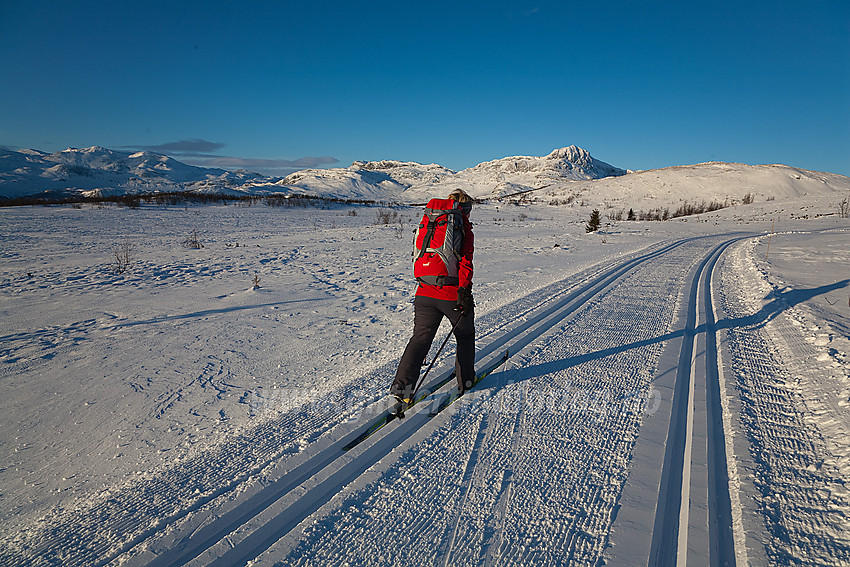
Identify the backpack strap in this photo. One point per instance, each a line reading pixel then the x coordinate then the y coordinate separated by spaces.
pixel 429 234
pixel 433 222
pixel 438 280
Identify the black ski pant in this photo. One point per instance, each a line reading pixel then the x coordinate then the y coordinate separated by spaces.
pixel 427 315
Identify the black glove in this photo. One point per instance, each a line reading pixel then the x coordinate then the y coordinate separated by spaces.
pixel 464 301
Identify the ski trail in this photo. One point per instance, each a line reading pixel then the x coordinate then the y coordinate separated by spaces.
pixel 493 546
pixel 720 549
pixel 670 544
pixel 720 529
pixel 323 458
pixel 301 509
pixel 324 486
pixel 466 484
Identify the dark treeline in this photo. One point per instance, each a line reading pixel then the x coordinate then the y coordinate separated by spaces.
pixel 184 198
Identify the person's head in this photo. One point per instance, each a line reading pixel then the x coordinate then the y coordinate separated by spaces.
pixel 463 199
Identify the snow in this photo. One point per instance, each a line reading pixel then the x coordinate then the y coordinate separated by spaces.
pixel 725 183
pixel 175 406
pixel 411 182
pixel 568 174
pixel 106 172
pixel 799 406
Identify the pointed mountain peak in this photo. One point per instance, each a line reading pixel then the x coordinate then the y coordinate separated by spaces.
pixel 573 154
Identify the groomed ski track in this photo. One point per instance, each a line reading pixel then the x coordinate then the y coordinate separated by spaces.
pixel 528 469
pixel 695 475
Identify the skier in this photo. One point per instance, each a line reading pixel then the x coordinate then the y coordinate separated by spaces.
pixel 452 299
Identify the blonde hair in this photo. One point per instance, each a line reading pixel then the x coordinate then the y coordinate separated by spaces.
pixel 460 196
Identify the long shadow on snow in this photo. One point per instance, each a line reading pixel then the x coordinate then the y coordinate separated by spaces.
pixel 208 312
pixel 781 301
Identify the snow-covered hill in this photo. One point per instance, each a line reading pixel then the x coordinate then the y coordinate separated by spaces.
pixel 724 183
pixel 355 182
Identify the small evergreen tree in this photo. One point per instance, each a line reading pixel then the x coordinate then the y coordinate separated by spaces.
pixel 595 221
pixel 631 215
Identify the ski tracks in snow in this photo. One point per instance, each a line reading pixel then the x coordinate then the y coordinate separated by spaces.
pixel 797 500
pixel 327 470
pixel 693 514
pixel 453 486
pixel 527 470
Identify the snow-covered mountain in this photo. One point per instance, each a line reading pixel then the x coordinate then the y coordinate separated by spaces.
pixel 568 174
pixel 514 174
pixel 101 171
pixel 410 181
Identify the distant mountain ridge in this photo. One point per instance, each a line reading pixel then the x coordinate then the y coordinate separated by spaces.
pixel 568 174
pixel 98 171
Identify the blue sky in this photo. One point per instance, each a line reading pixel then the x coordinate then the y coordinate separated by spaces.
pixel 273 86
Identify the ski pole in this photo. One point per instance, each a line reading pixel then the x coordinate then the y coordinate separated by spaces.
pixel 422 379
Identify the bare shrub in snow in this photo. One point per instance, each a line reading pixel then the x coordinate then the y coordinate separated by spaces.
pixel 687 209
pixel 386 216
pixel 844 208
pixel 655 215
pixel 193 241
pixel 124 255
pixel 558 202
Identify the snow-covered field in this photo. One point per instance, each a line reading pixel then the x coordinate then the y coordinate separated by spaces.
pixel 174 413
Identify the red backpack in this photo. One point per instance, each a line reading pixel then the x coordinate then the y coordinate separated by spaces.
pixel 438 243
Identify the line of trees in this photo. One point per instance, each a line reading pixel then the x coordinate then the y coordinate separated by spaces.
pixel 662 214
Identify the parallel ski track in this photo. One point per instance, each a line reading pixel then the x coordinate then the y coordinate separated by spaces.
pixel 319 482
pixel 669 545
